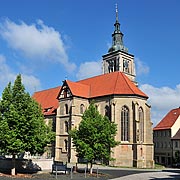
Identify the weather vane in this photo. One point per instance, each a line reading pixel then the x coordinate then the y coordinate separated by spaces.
pixel 116 12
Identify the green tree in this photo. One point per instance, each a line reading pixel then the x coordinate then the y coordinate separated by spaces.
pixel 95 136
pixel 22 126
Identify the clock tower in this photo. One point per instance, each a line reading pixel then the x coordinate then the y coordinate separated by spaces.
pixel 118 58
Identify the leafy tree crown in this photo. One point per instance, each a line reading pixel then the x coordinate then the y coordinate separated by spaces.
pixel 22 126
pixel 95 136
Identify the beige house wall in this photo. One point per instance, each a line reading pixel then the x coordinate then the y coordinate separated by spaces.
pixel 175 127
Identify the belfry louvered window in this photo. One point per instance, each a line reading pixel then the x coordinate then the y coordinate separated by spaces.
pixel 124 123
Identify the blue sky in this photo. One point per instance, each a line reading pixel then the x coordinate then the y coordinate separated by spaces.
pixel 48 41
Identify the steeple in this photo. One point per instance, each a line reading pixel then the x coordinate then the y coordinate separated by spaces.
pixel 118 58
pixel 117 37
pixel 116 13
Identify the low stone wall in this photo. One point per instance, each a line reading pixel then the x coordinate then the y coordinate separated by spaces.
pixel 26 165
pixel 44 164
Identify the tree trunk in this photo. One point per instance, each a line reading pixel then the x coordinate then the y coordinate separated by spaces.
pixel 91 169
pixel 13 170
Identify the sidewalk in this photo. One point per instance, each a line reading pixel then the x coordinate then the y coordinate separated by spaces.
pixel 114 173
pixel 151 176
pixel 134 173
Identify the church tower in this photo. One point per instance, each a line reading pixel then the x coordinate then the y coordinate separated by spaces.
pixel 118 58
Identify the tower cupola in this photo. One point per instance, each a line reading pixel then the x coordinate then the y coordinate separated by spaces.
pixel 117 37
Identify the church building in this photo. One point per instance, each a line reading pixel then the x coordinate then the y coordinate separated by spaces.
pixel 117 96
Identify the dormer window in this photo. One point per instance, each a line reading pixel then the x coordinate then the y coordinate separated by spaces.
pixel 47 109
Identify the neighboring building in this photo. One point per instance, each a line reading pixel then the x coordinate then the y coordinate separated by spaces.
pixel 49 104
pixel 176 147
pixel 117 96
pixel 167 138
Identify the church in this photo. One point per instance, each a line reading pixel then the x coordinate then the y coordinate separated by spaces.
pixel 117 96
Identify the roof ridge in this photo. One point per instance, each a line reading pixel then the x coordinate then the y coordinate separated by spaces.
pixel 125 78
pixel 116 81
pixel 47 89
pixel 94 77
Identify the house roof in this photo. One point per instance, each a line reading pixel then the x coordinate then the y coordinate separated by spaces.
pixel 168 121
pixel 106 84
pixel 48 100
pixel 176 136
pixel 102 85
pixel 78 89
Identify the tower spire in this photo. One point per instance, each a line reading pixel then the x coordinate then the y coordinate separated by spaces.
pixel 117 37
pixel 116 13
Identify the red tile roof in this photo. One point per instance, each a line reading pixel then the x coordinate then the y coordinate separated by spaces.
pixel 48 100
pixel 102 85
pixel 168 121
pixel 106 84
pixel 78 89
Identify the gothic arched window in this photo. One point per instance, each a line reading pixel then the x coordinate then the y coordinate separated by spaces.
pixel 66 109
pixel 141 124
pixel 124 123
pixel 66 126
pixel 66 144
pixel 108 111
pixel 81 108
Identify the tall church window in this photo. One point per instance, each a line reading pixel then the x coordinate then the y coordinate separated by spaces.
pixel 141 124
pixel 66 109
pixel 66 126
pixel 108 111
pixel 96 106
pixel 81 108
pixel 66 144
pixel 124 123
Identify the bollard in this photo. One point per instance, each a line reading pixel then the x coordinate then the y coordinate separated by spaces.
pixel 85 173
pixel 97 172
pixel 71 172
pixel 56 172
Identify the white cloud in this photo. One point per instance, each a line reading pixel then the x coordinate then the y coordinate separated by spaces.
pixel 31 83
pixel 89 69
pixel 141 67
pixel 162 100
pixel 5 72
pixel 7 75
pixel 36 41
